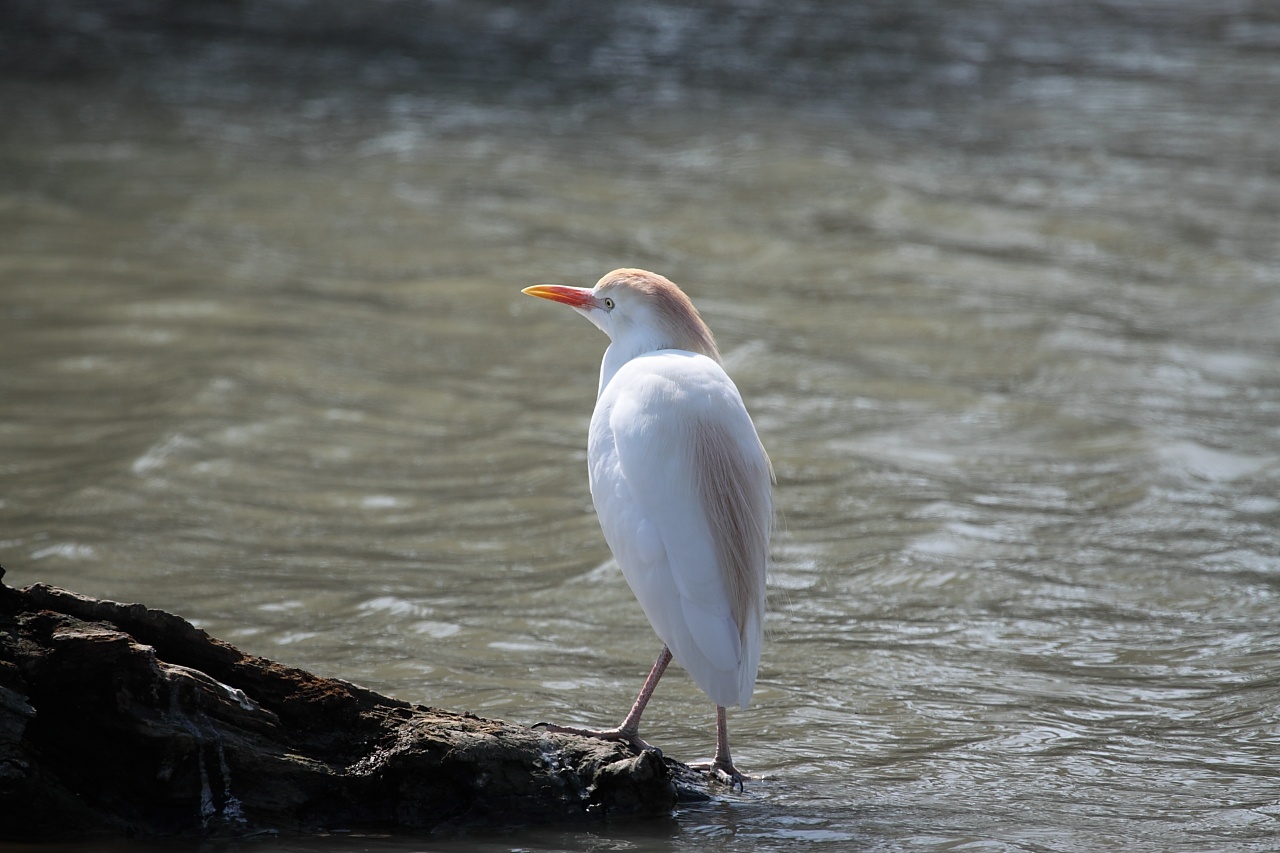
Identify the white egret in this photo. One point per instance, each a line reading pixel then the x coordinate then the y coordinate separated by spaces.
pixel 681 485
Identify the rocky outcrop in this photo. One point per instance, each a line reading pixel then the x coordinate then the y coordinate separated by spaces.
pixel 120 719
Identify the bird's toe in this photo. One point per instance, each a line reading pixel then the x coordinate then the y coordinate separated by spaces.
pixel 618 735
pixel 724 773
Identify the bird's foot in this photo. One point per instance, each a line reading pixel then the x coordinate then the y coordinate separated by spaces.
pixel 619 734
pixel 723 772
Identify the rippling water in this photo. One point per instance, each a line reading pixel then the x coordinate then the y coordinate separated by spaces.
pixel 1008 322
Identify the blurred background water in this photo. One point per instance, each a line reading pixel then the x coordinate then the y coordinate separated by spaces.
pixel 999 281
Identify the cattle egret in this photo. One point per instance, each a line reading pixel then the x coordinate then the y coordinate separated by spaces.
pixel 680 483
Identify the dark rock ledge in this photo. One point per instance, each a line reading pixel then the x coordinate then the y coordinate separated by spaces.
pixel 117 719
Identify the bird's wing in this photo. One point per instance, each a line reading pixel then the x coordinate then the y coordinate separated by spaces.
pixel 681 485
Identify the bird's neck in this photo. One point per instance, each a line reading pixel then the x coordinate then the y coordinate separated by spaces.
pixel 688 334
pixel 614 358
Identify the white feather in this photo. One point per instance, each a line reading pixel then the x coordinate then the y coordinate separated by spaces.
pixel 644 458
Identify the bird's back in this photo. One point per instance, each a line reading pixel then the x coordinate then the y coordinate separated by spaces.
pixel 680 482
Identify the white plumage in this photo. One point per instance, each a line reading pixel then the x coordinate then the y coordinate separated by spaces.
pixel 663 420
pixel 681 484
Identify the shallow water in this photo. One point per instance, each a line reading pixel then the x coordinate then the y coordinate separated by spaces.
pixel 1008 323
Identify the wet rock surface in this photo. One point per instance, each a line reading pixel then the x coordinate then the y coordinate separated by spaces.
pixel 121 719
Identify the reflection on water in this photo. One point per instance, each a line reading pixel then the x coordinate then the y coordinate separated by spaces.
pixel 1008 325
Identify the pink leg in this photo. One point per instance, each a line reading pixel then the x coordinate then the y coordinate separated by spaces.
pixel 629 729
pixel 721 767
pixel 723 763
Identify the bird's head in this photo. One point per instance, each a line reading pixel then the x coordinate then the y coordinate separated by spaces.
pixel 639 310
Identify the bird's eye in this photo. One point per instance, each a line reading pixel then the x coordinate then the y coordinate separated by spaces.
pixel 608 304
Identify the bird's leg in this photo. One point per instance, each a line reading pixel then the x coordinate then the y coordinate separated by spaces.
pixel 721 767
pixel 722 764
pixel 630 725
pixel 629 729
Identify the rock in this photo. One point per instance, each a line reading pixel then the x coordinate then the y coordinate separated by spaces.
pixel 119 719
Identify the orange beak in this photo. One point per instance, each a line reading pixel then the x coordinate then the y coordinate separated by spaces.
pixel 577 297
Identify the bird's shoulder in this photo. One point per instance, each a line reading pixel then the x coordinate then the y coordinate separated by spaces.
pixel 676 406
pixel 672 378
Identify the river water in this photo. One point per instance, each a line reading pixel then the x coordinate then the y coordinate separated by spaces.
pixel 1000 285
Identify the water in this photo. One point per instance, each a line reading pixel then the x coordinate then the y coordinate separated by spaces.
pixel 999 285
